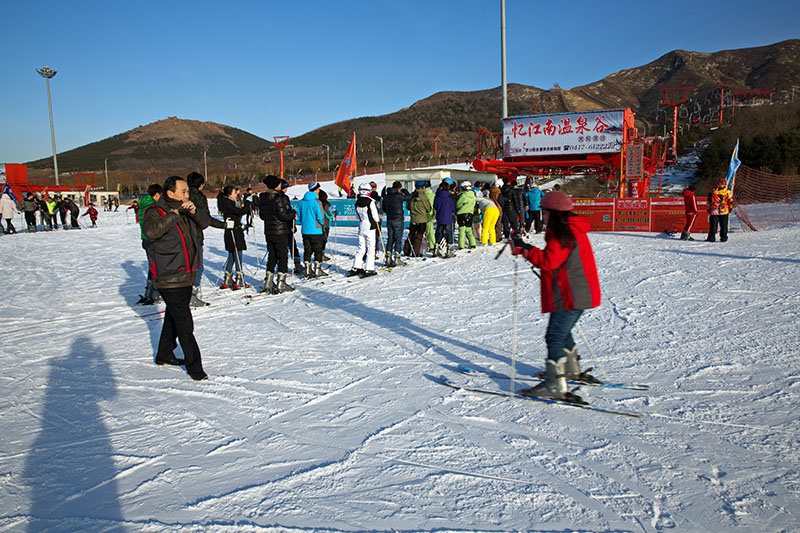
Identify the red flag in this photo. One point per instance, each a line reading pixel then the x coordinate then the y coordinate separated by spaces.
pixel 348 167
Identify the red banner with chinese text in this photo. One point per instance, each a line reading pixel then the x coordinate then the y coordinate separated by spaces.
pixel 639 214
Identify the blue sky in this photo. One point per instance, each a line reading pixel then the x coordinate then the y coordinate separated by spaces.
pixel 285 68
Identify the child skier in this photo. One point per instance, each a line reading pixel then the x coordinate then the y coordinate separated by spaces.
pixel 569 285
pixel 92 212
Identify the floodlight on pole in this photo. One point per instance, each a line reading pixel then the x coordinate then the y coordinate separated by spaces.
pixel 47 73
pixel 106 173
pixel 503 58
pixel 328 148
pixel 381 140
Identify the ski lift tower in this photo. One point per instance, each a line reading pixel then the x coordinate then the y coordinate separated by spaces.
pixel 674 98
pixel 435 134
pixel 281 142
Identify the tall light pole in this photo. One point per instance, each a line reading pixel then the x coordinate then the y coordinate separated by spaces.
pixel 106 174
pixel 328 148
pixel 381 140
pixel 47 73
pixel 205 165
pixel 503 56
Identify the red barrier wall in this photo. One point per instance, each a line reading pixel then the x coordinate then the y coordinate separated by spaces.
pixel 639 214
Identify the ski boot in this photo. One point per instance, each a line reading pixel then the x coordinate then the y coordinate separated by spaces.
pixel 282 285
pixel 388 261
pixel 572 369
pixel 227 281
pixel 318 272
pixel 195 301
pixel 355 272
pixel 240 282
pixel 554 386
pixel 368 273
pixel 308 270
pixel 269 284
pixel 398 260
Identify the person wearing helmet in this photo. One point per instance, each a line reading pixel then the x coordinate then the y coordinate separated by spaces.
pixel 368 221
pixel 569 286
pixel 719 205
pixel 465 210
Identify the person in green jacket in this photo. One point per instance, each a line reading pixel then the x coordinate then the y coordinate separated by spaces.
pixel 154 192
pixel 51 211
pixel 431 218
pixel 420 208
pixel 465 210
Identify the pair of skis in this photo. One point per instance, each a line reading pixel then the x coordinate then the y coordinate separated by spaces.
pixel 443 380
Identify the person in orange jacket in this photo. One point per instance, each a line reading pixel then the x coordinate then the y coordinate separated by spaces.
pixel 720 203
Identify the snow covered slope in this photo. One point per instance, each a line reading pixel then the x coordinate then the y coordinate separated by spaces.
pixel 319 413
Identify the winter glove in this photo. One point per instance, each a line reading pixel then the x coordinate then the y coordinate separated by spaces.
pixel 520 247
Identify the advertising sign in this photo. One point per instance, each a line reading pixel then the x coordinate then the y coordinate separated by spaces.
pixel 581 132
pixel 2 173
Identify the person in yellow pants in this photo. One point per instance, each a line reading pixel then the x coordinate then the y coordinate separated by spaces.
pixel 490 214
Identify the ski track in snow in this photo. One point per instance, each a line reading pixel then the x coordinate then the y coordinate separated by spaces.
pixel 318 415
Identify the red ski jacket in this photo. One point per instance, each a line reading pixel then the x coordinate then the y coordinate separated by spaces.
pixel 689 202
pixel 569 275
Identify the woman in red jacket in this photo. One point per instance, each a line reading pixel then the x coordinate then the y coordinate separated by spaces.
pixel 569 286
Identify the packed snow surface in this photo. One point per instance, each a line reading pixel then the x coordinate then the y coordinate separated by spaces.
pixel 322 412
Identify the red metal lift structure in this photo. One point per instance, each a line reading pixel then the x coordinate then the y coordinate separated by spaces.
pixel 636 164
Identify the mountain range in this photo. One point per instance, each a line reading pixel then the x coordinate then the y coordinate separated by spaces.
pixel 757 75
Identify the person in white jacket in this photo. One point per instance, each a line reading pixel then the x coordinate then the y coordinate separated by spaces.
pixel 367 213
pixel 8 209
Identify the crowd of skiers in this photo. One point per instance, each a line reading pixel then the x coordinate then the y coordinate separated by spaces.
pixel 42 213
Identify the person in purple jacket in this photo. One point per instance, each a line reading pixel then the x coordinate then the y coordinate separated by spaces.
pixel 445 208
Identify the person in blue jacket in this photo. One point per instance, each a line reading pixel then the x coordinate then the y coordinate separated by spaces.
pixel 312 221
pixel 534 196
pixel 445 208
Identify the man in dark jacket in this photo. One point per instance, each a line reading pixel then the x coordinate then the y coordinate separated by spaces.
pixel 393 202
pixel 74 211
pixel 196 181
pixel 276 211
pixel 509 203
pixel 172 224
pixel 29 207
pixel 61 207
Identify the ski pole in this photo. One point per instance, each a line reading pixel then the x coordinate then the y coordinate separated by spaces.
pixel 514 315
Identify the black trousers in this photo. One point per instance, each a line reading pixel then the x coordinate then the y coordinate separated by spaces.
pixel 721 222
pixel 178 325
pixel 313 244
pixel 277 253
pixel 30 219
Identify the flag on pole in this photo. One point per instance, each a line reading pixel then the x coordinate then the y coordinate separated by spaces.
pixel 733 166
pixel 348 167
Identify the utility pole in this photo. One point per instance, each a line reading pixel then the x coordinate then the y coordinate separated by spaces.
pixel 47 73
pixel 205 165
pixel 328 148
pixel 503 56
pixel 106 173
pixel 381 140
